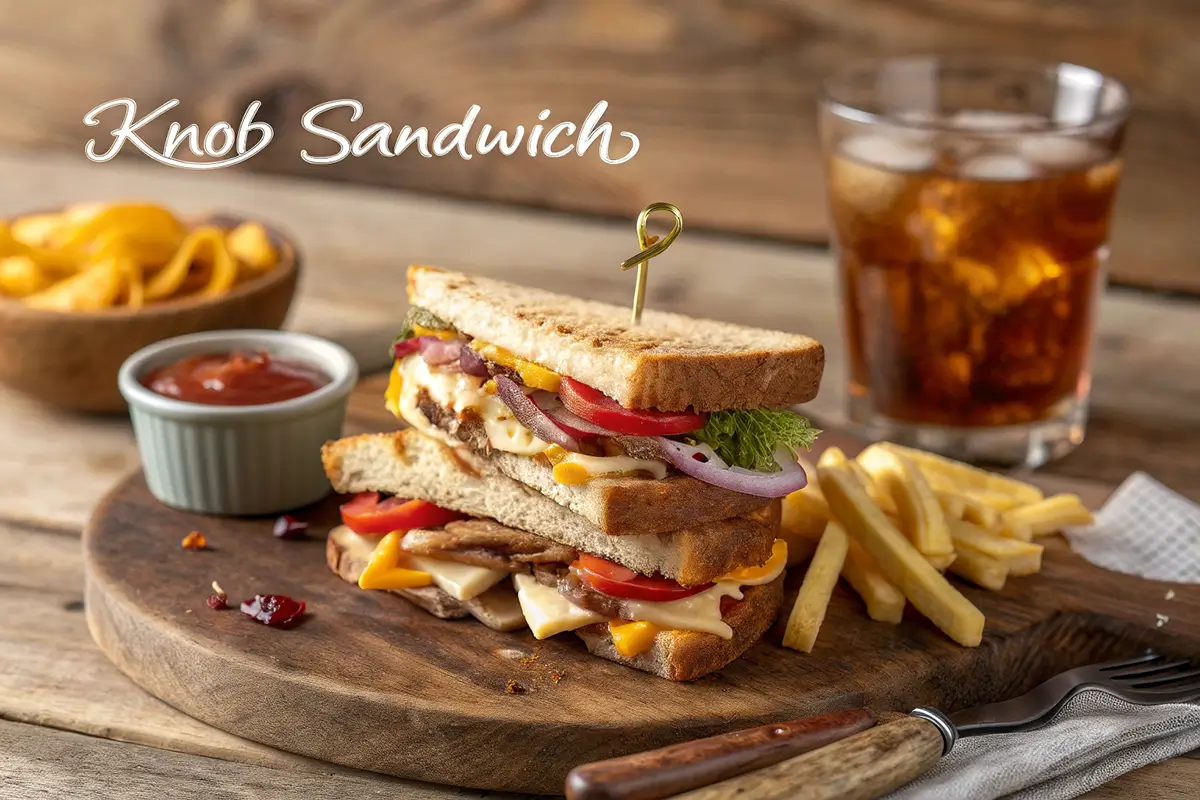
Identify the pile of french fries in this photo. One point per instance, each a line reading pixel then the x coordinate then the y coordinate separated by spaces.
pixel 92 257
pixel 893 520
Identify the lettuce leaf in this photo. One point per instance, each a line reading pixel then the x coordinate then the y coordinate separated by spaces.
pixel 749 439
pixel 426 319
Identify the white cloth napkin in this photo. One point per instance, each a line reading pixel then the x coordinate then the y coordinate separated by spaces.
pixel 1093 739
pixel 1144 529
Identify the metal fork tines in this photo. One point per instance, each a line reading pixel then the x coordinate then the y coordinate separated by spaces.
pixel 1147 679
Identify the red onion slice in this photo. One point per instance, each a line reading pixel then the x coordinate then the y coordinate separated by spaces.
pixel 573 423
pixel 405 347
pixel 440 352
pixel 790 477
pixel 532 417
pixel 472 363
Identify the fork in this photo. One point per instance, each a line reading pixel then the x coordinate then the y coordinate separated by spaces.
pixel 872 763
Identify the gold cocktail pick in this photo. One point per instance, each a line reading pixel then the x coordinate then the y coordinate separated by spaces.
pixel 651 247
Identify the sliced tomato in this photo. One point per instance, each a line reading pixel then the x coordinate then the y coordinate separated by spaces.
pixel 365 514
pixel 617 581
pixel 595 406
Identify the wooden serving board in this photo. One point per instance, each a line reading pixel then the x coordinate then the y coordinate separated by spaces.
pixel 372 682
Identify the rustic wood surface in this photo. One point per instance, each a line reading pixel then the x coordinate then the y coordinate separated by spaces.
pixel 56 466
pixel 423 698
pixel 721 95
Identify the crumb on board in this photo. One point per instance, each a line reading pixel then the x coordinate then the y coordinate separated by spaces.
pixel 1170 594
pixel 1163 619
pixel 531 659
pixel 512 687
pixel 194 541
pixel 557 676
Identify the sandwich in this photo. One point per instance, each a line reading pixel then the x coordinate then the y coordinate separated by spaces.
pixel 565 471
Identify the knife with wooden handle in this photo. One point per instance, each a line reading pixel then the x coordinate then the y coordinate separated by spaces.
pixel 681 767
pixel 861 767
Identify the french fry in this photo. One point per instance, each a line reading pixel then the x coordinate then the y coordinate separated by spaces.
pixel 997 500
pixel 948 475
pixel 1052 514
pixel 980 569
pixel 941 562
pixel 809 611
pixel 917 507
pixel 810 472
pixel 885 603
pixel 873 490
pixel 1014 529
pixel 804 516
pixel 953 505
pixel 928 591
pixel 970 508
pixel 1022 558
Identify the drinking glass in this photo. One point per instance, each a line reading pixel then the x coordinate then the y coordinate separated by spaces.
pixel 970 202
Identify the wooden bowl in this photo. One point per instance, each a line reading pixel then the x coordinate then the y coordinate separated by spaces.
pixel 71 359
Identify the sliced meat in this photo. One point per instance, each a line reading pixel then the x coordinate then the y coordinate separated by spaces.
pixel 467 428
pixel 572 587
pixel 640 447
pixel 484 543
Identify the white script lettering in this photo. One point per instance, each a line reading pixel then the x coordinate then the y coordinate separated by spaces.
pixel 178 136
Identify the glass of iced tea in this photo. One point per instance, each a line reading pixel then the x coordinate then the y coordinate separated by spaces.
pixel 970 203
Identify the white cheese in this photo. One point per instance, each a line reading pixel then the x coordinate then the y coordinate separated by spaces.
pixel 547 612
pixel 700 612
pixel 460 581
pixel 597 466
pixel 505 432
pixel 458 392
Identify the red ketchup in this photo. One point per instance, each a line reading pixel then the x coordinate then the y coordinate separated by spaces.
pixel 235 379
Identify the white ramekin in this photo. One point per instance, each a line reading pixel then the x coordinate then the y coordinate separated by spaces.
pixel 238 460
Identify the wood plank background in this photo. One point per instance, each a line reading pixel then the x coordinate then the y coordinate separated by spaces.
pixel 720 93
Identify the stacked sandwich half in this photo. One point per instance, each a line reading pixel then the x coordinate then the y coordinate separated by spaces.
pixel 565 471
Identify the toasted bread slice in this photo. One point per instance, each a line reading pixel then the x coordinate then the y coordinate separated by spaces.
pixel 410 464
pixel 668 362
pixel 619 506
pixel 687 655
pixel 347 554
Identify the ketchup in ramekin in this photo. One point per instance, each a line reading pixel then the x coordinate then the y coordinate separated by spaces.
pixel 239 378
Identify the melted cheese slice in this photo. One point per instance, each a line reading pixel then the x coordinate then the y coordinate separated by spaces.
pixel 390 567
pixel 547 612
pixel 460 581
pixel 765 572
pixel 576 468
pixel 700 612
pixel 631 638
pixel 458 392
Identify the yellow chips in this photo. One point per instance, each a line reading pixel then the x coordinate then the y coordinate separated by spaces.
pixel 94 257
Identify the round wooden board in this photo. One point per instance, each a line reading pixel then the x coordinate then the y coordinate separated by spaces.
pixel 369 681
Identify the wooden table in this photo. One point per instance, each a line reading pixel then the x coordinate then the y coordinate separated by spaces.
pixel 74 726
